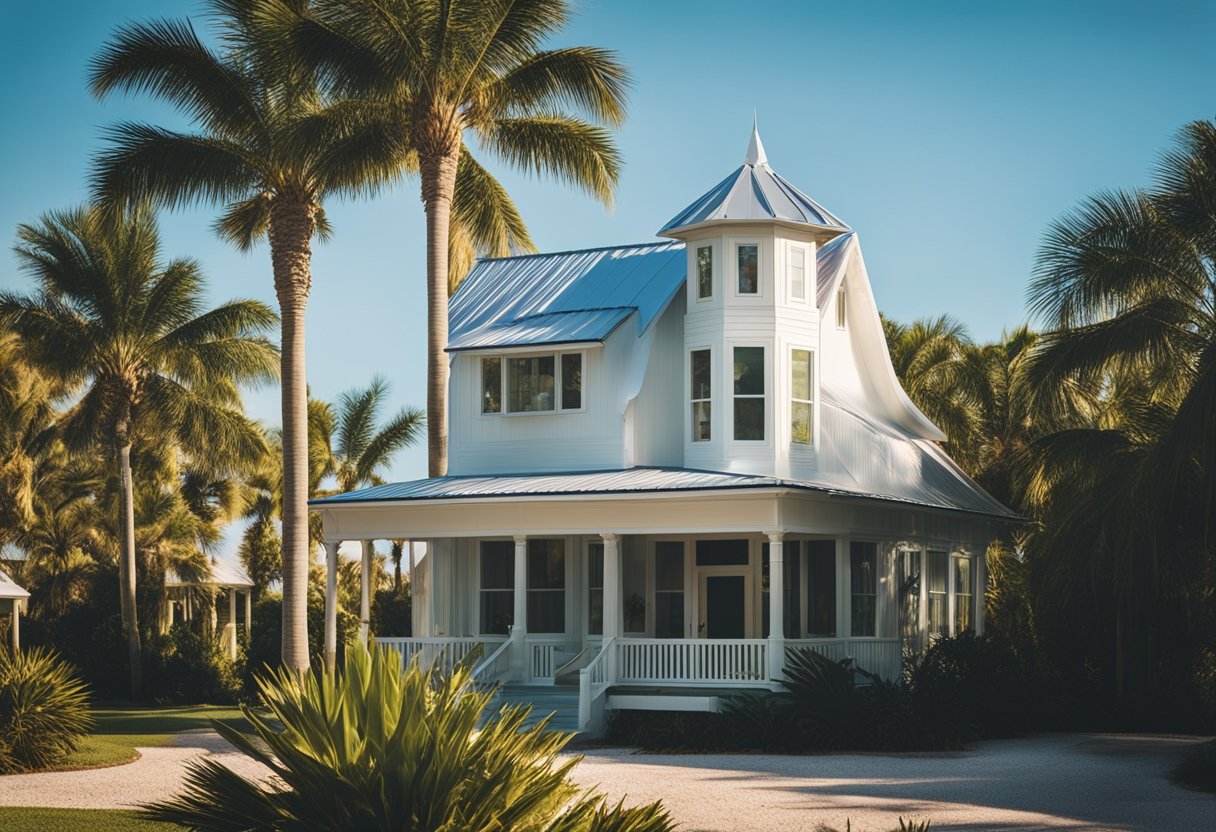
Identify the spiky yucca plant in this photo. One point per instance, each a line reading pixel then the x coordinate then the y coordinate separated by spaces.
pixel 44 709
pixel 374 747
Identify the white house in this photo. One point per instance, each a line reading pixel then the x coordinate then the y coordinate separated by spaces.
pixel 672 462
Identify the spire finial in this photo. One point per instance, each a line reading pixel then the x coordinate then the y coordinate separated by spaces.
pixel 755 148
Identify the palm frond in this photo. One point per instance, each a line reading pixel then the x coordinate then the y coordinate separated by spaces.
pixel 586 77
pixel 569 149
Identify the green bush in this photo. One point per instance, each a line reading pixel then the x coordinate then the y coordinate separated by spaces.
pixel 377 747
pixel 391 613
pixel 186 667
pixel 265 646
pixel 44 710
pixel 1197 768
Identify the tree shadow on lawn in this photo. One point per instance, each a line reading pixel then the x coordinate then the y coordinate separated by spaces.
pixel 126 719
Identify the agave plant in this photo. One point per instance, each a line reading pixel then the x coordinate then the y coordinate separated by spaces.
pixel 375 747
pixel 44 710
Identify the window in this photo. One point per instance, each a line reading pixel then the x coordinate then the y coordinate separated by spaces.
pixel 863 586
pixel 633 589
pixel 572 381
pixel 705 272
pixel 497 586
pixel 700 374
pixel 749 393
pixel 964 594
pixel 841 312
pixel 547 586
pixel 722 552
pixel 821 588
pixel 491 385
pixel 909 591
pixel 936 577
pixel 749 268
pixel 532 383
pixel 791 614
pixel 802 402
pixel 797 273
pixel 669 589
pixel 595 589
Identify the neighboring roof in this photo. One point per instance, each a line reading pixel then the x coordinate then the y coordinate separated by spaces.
pixel 944 489
pixel 565 297
pixel 9 588
pixel 223 574
pixel 754 192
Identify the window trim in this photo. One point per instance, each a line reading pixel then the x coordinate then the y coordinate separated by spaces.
pixel 697 296
pixel 689 432
pixel 877 595
pixel 734 244
pixel 503 357
pixel 813 401
pixel 805 250
pixel 765 397
pixel 482 589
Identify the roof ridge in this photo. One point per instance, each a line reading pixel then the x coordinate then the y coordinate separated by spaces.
pixel 581 250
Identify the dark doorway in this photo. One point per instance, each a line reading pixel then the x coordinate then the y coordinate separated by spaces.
pixel 725 604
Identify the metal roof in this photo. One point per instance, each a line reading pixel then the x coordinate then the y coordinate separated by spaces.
pixel 565 297
pixel 754 192
pixel 224 573
pixel 946 491
pixel 9 588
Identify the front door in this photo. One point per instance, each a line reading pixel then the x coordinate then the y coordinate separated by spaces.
pixel 724 606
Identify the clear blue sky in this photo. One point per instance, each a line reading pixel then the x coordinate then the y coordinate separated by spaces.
pixel 947 134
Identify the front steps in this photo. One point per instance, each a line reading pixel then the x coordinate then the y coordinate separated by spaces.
pixel 559 700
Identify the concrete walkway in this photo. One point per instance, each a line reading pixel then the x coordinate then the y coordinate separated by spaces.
pixel 1073 782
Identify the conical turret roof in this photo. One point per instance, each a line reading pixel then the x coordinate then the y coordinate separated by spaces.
pixel 755 193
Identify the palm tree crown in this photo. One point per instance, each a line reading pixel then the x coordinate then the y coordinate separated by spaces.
pixel 351 447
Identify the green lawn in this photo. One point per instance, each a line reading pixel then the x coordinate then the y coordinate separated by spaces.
pixel 119 730
pixel 21 819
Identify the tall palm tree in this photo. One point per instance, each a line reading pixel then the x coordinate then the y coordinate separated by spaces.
pixel 26 415
pixel 428 73
pixel 352 447
pixel 261 148
pixel 151 361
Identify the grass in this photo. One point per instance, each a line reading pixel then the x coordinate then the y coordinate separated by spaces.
pixel 23 819
pixel 1197 768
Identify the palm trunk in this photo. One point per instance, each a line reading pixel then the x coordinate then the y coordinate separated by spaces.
pixel 126 559
pixel 291 228
pixel 438 184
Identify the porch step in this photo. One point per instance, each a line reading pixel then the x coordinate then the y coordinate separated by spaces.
pixel 559 700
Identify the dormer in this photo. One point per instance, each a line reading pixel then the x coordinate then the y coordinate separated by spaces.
pixel 752 319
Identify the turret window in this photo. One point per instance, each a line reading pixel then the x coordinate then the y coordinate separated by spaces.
pixel 700 394
pixel 749 394
pixel 802 397
pixel 798 273
pixel 749 268
pixel 705 272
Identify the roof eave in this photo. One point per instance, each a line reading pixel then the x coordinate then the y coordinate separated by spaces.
pixel 823 232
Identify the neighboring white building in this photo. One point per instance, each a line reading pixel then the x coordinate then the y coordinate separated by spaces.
pixel 673 461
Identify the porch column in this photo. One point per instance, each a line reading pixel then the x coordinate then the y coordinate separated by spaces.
pixel 365 584
pixel 212 618
pixel 519 625
pixel 331 603
pixel 612 585
pixel 16 625
pixel 776 606
pixel 232 623
pixel 249 615
pixel 414 616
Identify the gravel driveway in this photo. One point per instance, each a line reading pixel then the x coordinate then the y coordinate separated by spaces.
pixel 1074 781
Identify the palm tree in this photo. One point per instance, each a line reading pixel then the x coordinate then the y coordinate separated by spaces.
pixel 150 361
pixel 263 150
pixel 428 73
pixel 351 448
pixel 26 415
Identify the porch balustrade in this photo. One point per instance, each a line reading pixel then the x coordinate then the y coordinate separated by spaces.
pixel 880 656
pixel 673 661
pixel 443 654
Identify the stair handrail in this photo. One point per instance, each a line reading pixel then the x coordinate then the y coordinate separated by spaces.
pixel 589 688
pixel 489 662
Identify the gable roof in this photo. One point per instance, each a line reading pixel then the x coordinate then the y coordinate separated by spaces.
pixel 10 588
pixel 224 573
pixel 754 192
pixel 565 297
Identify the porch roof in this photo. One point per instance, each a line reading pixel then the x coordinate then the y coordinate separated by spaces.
pixel 944 491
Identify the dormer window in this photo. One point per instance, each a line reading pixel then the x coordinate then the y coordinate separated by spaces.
pixel 748 258
pixel 705 272
pixel 540 383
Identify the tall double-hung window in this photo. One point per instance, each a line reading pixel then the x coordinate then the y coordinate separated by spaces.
pixel 747 261
pixel 749 393
pixel 797 270
pixel 497 606
pixel 701 394
pixel 546 585
pixel 964 593
pixel 863 588
pixel 937 593
pixel 802 397
pixel 705 272
pixel 540 383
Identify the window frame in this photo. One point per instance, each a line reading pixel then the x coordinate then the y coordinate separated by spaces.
pixel 765 397
pixel 503 376
pixel 805 251
pixel 482 589
pixel 876 595
pixel 564 589
pixel 813 371
pixel 697 248
pixel 733 244
pixel 692 402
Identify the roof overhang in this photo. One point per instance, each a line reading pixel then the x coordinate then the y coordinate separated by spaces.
pixel 821 233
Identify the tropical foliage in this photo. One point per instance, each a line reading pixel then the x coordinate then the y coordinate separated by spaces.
pixel 44 710
pixel 375 747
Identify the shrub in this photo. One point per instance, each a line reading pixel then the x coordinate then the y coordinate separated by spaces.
pixel 676 731
pixel 378 747
pixel 187 667
pixel 44 710
pixel 265 646
pixel 1197 768
pixel 391 612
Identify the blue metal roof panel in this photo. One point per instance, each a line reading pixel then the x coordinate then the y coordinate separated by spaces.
pixel 501 296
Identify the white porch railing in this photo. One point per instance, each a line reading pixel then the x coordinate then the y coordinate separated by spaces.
pixel 674 661
pixel 593 682
pixel 443 654
pixel 880 656
pixel 543 655
pixel 494 666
